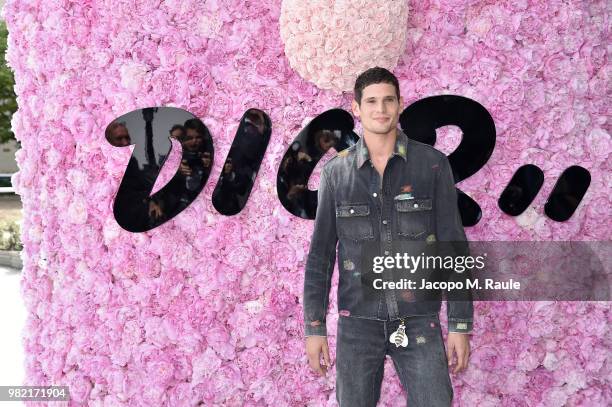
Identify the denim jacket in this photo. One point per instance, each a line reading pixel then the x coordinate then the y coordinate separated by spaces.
pixel 356 207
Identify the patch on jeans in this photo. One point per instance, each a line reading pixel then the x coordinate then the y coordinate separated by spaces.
pixel 403 197
pixel 402 150
pixel 406 188
pixel 344 312
pixel 349 265
pixel 420 339
pixel 461 325
pixel 407 295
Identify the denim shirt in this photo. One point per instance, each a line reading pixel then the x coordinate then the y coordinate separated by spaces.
pixel 357 207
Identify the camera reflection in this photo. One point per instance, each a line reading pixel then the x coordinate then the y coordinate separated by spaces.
pixel 195 166
pixel 135 209
pixel 332 129
pixel 242 163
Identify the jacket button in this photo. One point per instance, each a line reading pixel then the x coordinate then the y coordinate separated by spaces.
pixel 374 194
pixel 352 210
pixel 386 252
pixel 385 222
pixel 416 205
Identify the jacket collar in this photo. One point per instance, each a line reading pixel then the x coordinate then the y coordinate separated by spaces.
pixel 401 144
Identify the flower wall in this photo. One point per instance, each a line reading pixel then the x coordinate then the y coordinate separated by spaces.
pixel 207 308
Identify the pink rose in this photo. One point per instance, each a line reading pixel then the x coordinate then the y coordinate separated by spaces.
pixel 205 365
pixel 160 370
pixel 133 75
pixel 78 385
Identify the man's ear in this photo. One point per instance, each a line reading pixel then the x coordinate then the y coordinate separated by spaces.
pixel 355 108
pixel 401 103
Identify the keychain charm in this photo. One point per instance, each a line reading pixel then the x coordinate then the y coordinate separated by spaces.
pixel 399 337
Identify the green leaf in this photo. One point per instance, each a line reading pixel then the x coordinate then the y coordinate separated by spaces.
pixel 8 102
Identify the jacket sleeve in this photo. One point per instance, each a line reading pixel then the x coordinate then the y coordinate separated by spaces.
pixel 320 261
pixel 451 238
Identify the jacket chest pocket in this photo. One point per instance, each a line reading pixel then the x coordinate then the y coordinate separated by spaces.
pixel 353 222
pixel 413 217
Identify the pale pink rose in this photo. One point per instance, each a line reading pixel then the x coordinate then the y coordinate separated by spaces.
pixel 486 70
pixel 557 68
pixel 219 339
pixel 78 179
pixel 205 365
pixel 160 370
pixel 479 25
pixel 155 332
pixel 555 396
pixel 77 210
pixel 512 95
pixel 592 396
pixel 132 333
pixel 530 26
pixel 133 75
pixel 79 386
pixel 598 142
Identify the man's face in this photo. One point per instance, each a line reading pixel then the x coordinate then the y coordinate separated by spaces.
pixel 206 159
pixel 229 166
pixel 379 110
pixel 255 118
pixel 327 140
pixel 176 134
pixel 193 140
pixel 120 137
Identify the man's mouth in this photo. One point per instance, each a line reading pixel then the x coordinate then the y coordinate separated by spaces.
pixel 382 119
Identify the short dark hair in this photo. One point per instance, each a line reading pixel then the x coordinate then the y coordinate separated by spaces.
pixel 111 127
pixel 197 125
pixel 372 76
pixel 177 127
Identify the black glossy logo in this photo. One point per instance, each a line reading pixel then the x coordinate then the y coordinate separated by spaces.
pixel 151 129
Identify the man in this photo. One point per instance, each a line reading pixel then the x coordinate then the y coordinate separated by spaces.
pixel 384 189
pixel 196 141
pixel 118 135
pixel 177 132
pixel 133 207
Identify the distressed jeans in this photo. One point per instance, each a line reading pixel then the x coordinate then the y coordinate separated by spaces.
pixel 361 348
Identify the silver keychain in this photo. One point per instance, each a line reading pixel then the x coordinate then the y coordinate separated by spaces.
pixel 399 337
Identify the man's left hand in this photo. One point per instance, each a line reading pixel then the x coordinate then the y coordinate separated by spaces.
pixel 458 343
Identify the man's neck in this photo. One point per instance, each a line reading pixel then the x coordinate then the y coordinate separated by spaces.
pixel 380 146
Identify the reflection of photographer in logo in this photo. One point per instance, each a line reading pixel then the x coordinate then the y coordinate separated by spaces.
pixel 246 152
pixel 232 185
pixel 134 207
pixel 195 173
pixel 196 162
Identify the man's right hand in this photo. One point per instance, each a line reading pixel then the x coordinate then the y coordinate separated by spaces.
pixel 184 168
pixel 315 345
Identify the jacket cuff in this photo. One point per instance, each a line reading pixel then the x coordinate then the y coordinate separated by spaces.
pixel 319 330
pixel 459 326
